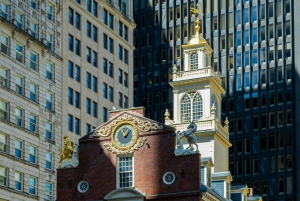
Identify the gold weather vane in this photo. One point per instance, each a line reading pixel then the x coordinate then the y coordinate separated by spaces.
pixel 196 11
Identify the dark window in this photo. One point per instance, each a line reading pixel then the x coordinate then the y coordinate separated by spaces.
pixel 239 125
pixel 71 43
pixel 88 80
pixel 120 52
pixel 121 100
pixel 120 76
pixel 111 45
pixel 111 21
pixel 70 122
pixel 271 142
pixel 77 47
pixel 126 56
pixel 77 21
pixel 77 126
pixel 104 90
pixel 125 79
pixel 263 143
pixel 105 41
pixel 255 166
pixel 95 84
pixel 88 54
pixel 88 105
pixel 111 94
pixel 77 73
pixel 88 29
pixel 77 99
pixel 89 5
pixel 71 69
pixel 104 65
pixel 104 114
pixel 104 15
pixel 95 9
pixel 94 109
pixel 110 69
pixel 70 96
pixel 71 16
pixel 94 59
pixel 120 28
pixel 95 34
pixel 247 145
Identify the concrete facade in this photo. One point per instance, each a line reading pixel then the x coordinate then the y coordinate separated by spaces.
pixel 95 41
pixel 26 29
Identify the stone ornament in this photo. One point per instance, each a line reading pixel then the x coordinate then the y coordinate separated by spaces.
pixel 28 43
pixel 189 134
pixel 143 126
pixel 43 53
pixel 68 156
pixel 13 35
pixel 139 143
pixel 83 2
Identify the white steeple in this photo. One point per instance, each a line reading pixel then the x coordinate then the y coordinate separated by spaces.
pixel 197 97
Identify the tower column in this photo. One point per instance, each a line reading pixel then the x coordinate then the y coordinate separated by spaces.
pixel 176 106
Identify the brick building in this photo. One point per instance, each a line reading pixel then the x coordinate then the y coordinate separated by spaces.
pixel 131 157
pixel 152 176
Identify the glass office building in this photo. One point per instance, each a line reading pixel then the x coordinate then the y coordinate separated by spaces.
pixel 255 51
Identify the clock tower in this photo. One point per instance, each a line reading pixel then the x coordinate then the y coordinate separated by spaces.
pixel 197 94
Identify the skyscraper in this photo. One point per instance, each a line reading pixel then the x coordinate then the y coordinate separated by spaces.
pixel 30 98
pixel 255 51
pixel 98 64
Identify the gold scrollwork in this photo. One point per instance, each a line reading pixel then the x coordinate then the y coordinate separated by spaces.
pixel 140 142
pixel 143 126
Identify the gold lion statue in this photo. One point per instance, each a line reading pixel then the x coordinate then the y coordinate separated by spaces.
pixel 66 152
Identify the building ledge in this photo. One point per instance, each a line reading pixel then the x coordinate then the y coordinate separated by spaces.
pixel 19 192
pixel 19 127
pixel 19 160
pixel 40 43
pixel 21 96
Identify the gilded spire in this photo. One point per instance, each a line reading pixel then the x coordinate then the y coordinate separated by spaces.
pixel 197 27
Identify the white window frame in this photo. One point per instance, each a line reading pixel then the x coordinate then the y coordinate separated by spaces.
pixel 194 60
pixel 34 3
pixel 32 185
pixel 49 40
pixel 49 101
pixel 32 123
pixel 21 17
pixel 33 153
pixel 190 106
pixel 4 112
pixel 50 70
pixel 19 112
pixel 4 77
pixel 118 171
pixel 33 29
pixel 7 9
pixel 20 180
pixel 3 177
pixel 49 160
pixel 34 63
pixel 20 54
pixel 50 131
pixel 19 148
pixel 49 192
pixel 20 84
pixel 4 45
pixel 3 142
pixel 49 11
pixel 34 92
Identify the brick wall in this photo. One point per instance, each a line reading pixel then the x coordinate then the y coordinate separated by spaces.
pixel 150 164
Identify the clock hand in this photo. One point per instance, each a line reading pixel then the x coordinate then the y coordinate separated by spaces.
pixel 123 133
pixel 127 132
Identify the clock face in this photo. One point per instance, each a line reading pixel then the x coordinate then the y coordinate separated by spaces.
pixel 125 135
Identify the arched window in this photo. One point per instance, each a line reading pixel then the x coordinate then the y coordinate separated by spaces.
pixel 214 101
pixel 191 107
pixel 194 60
pixel 186 108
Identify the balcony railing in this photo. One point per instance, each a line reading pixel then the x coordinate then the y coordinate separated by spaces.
pixel 198 73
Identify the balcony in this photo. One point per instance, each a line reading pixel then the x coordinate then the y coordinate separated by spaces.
pixel 196 74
